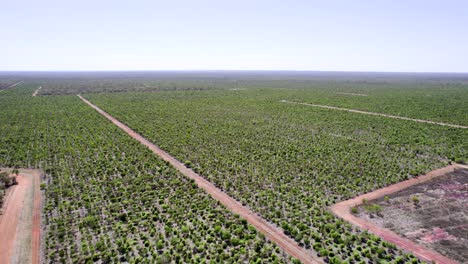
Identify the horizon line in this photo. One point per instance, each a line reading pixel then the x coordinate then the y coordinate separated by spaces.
pixel 234 70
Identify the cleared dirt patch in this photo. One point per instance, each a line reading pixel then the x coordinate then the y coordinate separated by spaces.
pixel 377 114
pixel 272 232
pixel 434 214
pixel 20 221
pixel 421 250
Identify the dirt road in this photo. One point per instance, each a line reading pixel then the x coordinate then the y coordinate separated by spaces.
pixel 9 219
pixel 11 86
pixel 36 220
pixel 353 94
pixel 272 232
pixel 343 210
pixel 377 114
pixel 19 238
pixel 36 91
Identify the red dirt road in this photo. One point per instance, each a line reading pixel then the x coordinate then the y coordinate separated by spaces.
pixel 28 180
pixel 343 210
pixel 272 232
pixel 9 219
pixel 377 114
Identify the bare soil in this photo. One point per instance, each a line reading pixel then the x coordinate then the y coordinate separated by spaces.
pixel 37 91
pixel 271 231
pixel 434 214
pixel 352 94
pixel 377 114
pixel 19 228
pixel 433 233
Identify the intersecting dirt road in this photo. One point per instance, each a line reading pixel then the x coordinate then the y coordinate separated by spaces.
pixel 272 232
pixel 343 210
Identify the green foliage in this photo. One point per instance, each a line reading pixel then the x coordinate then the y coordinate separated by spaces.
pixel 373 208
pixel 6 181
pixel 286 162
pixel 415 199
pixel 109 199
pixel 290 162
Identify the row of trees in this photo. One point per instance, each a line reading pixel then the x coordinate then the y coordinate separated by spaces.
pixel 288 162
pixel 110 200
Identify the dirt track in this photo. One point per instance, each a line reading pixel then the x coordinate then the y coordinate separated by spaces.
pixel 36 224
pixel 9 219
pixel 343 210
pixel 12 227
pixel 353 94
pixel 377 114
pixel 37 91
pixel 11 86
pixel 272 232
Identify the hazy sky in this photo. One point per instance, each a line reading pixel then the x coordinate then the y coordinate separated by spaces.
pixel 376 35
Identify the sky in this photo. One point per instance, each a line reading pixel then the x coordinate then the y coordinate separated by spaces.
pixel 100 35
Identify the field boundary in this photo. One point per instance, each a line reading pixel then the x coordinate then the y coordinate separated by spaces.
pixel 270 231
pixel 20 224
pixel 343 210
pixel 377 114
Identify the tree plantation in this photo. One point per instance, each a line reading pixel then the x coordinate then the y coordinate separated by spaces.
pixel 106 198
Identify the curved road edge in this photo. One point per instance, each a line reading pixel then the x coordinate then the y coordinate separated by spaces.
pixel 343 210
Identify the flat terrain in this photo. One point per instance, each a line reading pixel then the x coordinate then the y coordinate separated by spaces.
pixel 377 114
pixel 37 91
pixel 434 214
pixel 110 199
pixel 272 232
pixel 287 162
pixel 4 86
pixel 19 224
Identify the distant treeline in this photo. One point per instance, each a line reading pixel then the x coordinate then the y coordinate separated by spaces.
pixel 92 82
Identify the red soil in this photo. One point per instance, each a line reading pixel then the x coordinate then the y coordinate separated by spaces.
pixel 272 232
pixel 11 211
pixel 437 234
pixel 9 219
pixel 343 210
